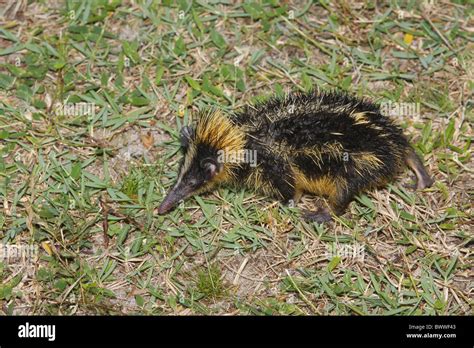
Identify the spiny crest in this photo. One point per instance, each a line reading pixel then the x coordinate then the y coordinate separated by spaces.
pixel 216 130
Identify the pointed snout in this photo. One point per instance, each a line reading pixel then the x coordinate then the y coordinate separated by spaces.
pixel 171 200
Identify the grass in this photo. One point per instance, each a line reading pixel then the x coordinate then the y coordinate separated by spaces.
pixel 209 282
pixel 93 93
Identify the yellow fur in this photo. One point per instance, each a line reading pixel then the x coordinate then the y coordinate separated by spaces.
pixel 360 118
pixel 323 186
pixel 366 161
pixel 216 130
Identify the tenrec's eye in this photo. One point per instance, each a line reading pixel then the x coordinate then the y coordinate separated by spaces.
pixel 192 182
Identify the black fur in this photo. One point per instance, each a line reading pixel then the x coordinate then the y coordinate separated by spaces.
pixel 311 124
pixel 286 132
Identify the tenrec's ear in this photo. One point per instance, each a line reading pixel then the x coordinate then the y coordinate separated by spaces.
pixel 210 166
pixel 186 135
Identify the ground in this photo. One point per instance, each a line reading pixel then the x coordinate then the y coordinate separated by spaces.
pixel 92 96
